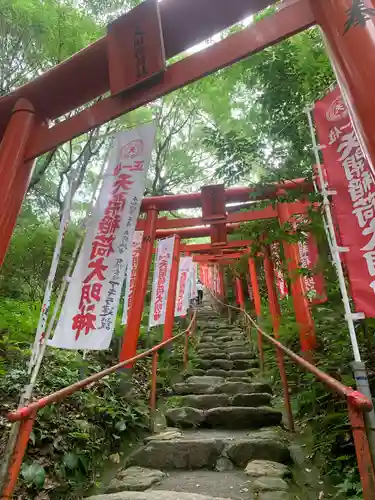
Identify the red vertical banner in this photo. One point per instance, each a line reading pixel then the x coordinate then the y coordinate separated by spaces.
pixel 281 284
pixel 315 284
pixel 350 176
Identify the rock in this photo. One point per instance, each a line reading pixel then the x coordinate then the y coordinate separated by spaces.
pixel 243 349
pixel 269 484
pixel 244 364
pixel 206 401
pixel 204 380
pixel 238 417
pixel 171 433
pixel 212 355
pixel 182 388
pixel 215 352
pixel 261 387
pixel 207 338
pixel 245 380
pixel 198 372
pixel 135 479
pixel 224 464
pixel 204 364
pixel 260 468
pixel 238 343
pixel 178 454
pixel 255 399
pixel 258 448
pixel 235 388
pixel 153 495
pixel 224 364
pixel 224 338
pixel 239 373
pixel 274 495
pixel 217 372
pixel 185 416
pixel 241 355
pixel 208 345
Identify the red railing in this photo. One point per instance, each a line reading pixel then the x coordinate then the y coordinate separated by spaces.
pixel 26 415
pixel 356 401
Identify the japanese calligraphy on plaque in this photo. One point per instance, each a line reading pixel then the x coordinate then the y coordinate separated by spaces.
pixel 349 175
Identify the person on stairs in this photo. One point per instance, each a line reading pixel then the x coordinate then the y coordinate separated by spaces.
pixel 200 289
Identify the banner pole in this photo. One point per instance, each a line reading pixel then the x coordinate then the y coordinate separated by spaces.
pixel 359 369
pixel 40 331
pixel 35 369
pixel 332 241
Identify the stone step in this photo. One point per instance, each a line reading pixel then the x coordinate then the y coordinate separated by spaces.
pixel 246 380
pixel 224 364
pixel 236 343
pixel 208 401
pixel 203 448
pixel 241 346
pixel 212 355
pixel 218 385
pixel 135 479
pixel 223 354
pixel 228 417
pixel 241 355
pixel 239 349
pixel 217 372
pixel 229 483
pixel 154 495
pixel 240 365
pixel 245 364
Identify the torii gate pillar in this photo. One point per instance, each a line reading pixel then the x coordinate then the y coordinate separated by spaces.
pixel 349 28
pixel 14 172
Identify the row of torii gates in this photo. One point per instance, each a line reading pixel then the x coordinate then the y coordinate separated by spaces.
pixel 126 69
pixel 216 223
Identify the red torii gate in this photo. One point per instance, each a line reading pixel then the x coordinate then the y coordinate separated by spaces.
pixel 218 223
pixel 130 63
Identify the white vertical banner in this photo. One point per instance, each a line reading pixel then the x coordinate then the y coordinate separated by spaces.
pixel 131 273
pixel 89 312
pixel 160 283
pixel 182 292
pixel 193 281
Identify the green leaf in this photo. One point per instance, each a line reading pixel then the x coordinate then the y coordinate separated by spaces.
pixel 70 460
pixel 33 474
pixel 120 425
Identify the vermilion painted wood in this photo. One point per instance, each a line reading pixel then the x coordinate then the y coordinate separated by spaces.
pixel 85 76
pixel 132 329
pixel 270 30
pixel 135 47
pixel 353 54
pixel 207 247
pixel 300 301
pixel 14 173
pixel 192 232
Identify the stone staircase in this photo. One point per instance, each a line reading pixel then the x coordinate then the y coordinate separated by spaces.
pixel 225 439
